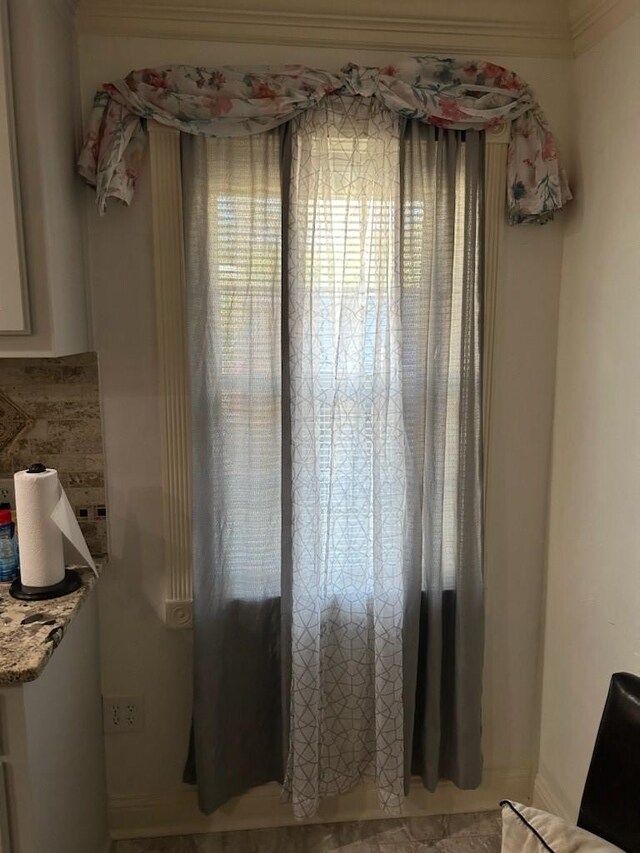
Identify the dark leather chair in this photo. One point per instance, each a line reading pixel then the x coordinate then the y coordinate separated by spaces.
pixel 610 804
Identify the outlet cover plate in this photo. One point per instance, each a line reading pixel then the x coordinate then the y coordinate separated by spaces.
pixel 122 714
pixel 8 492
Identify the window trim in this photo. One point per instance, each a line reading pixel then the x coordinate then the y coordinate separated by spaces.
pixel 175 421
pixel 170 288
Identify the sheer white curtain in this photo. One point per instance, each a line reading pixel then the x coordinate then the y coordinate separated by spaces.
pixel 347 454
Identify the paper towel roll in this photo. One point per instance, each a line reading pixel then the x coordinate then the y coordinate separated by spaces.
pixel 40 539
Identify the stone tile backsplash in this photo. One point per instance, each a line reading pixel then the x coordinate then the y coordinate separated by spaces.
pixel 59 400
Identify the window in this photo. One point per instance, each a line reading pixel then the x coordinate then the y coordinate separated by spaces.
pixel 231 207
pixel 241 252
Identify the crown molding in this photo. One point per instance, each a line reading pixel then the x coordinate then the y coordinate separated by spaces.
pixel 592 20
pixel 200 21
pixel 588 22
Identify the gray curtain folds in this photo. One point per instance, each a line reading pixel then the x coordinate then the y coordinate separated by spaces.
pixel 334 272
pixel 233 236
pixel 441 323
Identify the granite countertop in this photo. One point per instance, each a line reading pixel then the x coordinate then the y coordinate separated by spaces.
pixel 30 631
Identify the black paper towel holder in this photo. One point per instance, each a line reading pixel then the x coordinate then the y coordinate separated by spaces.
pixel 70 583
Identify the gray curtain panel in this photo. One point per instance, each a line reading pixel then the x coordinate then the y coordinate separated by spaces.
pixel 233 240
pixel 237 205
pixel 442 180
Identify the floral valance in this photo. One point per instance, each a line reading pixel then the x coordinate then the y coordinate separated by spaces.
pixel 233 101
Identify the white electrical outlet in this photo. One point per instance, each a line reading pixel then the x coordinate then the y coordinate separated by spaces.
pixel 122 714
pixel 8 493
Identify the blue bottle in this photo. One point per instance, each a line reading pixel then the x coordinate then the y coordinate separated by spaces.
pixel 9 562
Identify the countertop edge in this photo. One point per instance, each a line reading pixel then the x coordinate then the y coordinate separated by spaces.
pixel 26 649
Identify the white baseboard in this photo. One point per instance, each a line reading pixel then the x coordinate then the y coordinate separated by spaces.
pixel 178 813
pixel 548 797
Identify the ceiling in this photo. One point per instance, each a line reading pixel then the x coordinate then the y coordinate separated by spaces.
pixel 553 28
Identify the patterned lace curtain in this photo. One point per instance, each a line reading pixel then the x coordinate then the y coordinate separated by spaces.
pixel 348 454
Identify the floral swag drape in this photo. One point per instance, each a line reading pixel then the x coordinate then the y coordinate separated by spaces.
pixel 229 101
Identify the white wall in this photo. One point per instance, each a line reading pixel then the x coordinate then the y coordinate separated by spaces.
pixel 593 598
pixel 140 655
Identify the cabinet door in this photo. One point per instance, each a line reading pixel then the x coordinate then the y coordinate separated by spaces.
pixel 4 814
pixel 14 313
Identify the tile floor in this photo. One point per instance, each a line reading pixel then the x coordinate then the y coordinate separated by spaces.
pixel 463 833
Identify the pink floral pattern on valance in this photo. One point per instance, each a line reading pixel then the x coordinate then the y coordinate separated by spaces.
pixel 230 101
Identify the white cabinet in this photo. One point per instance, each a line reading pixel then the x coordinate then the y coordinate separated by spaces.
pixel 52 751
pixel 14 306
pixel 42 41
